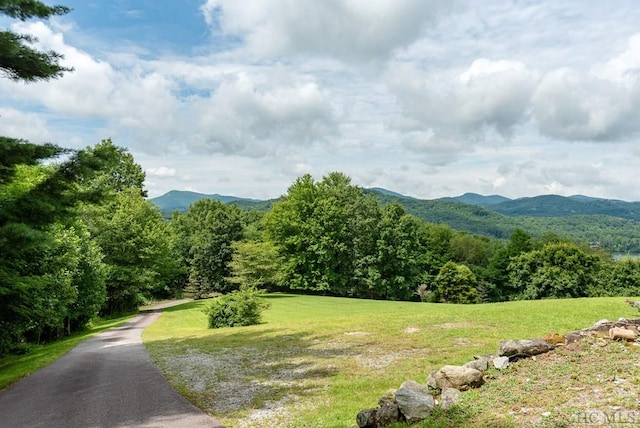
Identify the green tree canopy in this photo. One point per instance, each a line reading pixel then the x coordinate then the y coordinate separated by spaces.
pixel 18 59
pixel 205 237
pixel 456 283
pixel 557 270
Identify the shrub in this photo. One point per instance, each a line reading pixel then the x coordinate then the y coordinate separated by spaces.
pixel 239 308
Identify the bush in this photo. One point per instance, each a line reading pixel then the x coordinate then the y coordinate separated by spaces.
pixel 238 308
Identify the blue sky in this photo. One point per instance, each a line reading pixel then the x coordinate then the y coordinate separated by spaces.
pixel 429 98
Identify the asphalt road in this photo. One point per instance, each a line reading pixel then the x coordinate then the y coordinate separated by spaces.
pixel 106 381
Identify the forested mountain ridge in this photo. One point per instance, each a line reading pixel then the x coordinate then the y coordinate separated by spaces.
pixel 552 205
pixel 180 200
pixel 612 224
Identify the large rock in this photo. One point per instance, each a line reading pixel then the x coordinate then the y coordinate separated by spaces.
pixel 501 363
pixel 414 401
pixel 524 347
pixel 449 397
pixel 480 364
pixel 432 383
pixel 388 413
pixel 458 377
pixel 367 418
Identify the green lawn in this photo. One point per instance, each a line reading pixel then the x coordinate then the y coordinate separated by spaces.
pixel 15 367
pixel 317 361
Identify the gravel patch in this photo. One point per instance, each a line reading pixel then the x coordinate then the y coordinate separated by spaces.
pixel 240 379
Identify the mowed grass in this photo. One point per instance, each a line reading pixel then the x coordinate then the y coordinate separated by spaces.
pixel 317 361
pixel 15 367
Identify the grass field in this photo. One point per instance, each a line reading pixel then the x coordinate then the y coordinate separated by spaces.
pixel 317 361
pixel 15 367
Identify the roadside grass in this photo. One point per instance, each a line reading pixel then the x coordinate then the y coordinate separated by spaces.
pixel 317 361
pixel 15 367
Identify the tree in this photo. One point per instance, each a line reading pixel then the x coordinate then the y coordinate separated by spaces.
pixel 256 264
pixel 621 278
pixel 456 283
pixel 136 243
pixel 326 234
pixel 519 242
pixel 399 253
pixel 436 238
pixel 557 270
pixel 19 60
pixel 206 233
pixel 37 207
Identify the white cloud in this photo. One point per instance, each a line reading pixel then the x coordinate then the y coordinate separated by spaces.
pixel 161 172
pixel 346 29
pixel 20 125
pixel 416 96
pixel 601 104
pixel 488 97
pixel 255 115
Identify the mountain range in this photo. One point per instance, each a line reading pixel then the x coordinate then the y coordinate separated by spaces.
pixel 537 206
pixel 610 223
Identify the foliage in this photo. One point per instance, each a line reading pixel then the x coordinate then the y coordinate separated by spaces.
pixel 204 237
pixel 137 249
pixel 334 239
pixel 42 253
pixel 497 288
pixel 239 308
pixel 256 264
pixel 400 253
pixel 558 270
pixel 18 59
pixel 621 278
pixel 424 293
pixel 456 283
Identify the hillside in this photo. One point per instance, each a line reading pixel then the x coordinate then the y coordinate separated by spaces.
pixel 180 200
pixel 560 206
pixel 611 224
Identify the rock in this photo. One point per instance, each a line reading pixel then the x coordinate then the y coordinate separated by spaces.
pixel 622 333
pixel 458 377
pixel 449 398
pixel 414 401
pixel 501 363
pixel 367 418
pixel 481 364
pixel 388 413
pixel 432 383
pixel 389 396
pixel 524 347
pixel 573 337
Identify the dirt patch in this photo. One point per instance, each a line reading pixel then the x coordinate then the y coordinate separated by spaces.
pixel 452 325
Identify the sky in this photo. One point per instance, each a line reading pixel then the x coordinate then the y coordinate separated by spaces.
pixel 427 98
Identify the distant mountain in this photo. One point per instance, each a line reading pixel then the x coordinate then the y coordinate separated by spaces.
pixel 387 192
pixel 180 200
pixel 610 223
pixel 475 199
pixel 562 206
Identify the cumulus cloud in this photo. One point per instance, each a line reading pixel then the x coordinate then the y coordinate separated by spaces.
pixel 344 29
pixel 255 116
pixel 602 104
pixel 488 97
pixel 234 109
pixel 29 126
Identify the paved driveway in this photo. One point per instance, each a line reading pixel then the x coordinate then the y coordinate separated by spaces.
pixel 106 381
